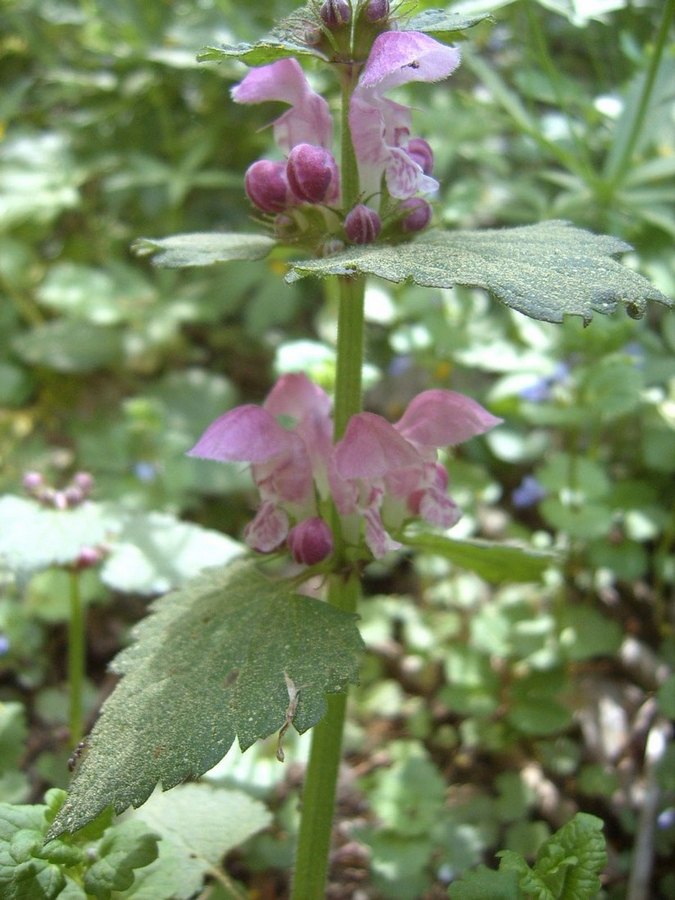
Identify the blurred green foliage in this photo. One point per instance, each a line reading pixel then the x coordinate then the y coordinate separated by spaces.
pixel 487 715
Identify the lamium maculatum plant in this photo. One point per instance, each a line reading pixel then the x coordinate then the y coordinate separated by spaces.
pixel 243 651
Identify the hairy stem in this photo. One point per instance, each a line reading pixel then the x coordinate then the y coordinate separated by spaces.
pixel 318 799
pixel 76 651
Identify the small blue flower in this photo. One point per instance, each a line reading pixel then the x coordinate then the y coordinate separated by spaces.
pixel 528 493
pixel 541 389
pixel 145 471
pixel 4 644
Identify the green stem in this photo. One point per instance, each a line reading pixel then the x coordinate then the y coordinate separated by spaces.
pixel 349 173
pixel 76 645
pixel 318 799
pixel 349 352
pixel 618 170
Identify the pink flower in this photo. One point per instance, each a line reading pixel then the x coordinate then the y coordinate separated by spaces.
pixel 392 471
pixel 308 121
pixel 380 127
pixel 380 474
pixel 288 443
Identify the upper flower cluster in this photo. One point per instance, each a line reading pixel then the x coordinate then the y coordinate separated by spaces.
pixel 394 167
pixel 379 474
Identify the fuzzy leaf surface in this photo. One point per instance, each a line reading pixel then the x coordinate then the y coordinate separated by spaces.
pixel 492 561
pixel 567 865
pixel 545 271
pixel 203 248
pixel 441 21
pixel 286 39
pixel 207 666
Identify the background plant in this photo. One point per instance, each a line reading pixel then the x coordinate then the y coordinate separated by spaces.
pixel 117 371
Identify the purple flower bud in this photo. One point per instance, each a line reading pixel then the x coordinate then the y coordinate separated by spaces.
pixel 310 541
pixel 312 173
pixel 362 225
pixel 335 13
pixel 376 11
pixel 73 496
pixel 4 644
pixel 88 557
pixel 266 185
pixel 32 482
pixel 84 481
pixel 419 216
pixel 419 151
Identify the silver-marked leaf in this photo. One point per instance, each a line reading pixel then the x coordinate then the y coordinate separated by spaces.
pixel 203 248
pixel 441 21
pixel 492 561
pixel 210 663
pixel 545 271
pixel 286 39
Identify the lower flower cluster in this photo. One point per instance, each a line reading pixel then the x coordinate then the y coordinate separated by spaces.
pixel 378 476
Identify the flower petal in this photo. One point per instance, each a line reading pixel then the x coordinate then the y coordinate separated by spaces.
pixel 296 396
pixel 371 447
pixel 398 57
pixel 307 122
pixel 440 418
pixel 268 529
pixel 244 434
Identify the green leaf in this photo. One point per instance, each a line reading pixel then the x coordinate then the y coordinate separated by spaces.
pixel 35 537
pixel 441 21
pixel 545 271
pixel 481 883
pixel 209 664
pixel 70 346
pixel 665 697
pixel 123 848
pixel 567 864
pixel 199 824
pixel 13 734
pixel 286 39
pixel 106 854
pixel 203 248
pixel 492 561
pixel 155 552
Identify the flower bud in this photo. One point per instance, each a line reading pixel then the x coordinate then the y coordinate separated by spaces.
pixel 310 541
pixel 266 185
pixel 419 216
pixel 421 153
pixel 376 11
pixel 88 557
pixel 335 13
pixel 312 173
pixel 362 225
pixel 32 482
pixel 84 481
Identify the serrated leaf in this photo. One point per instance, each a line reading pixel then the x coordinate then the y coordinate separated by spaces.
pixel 199 824
pixel 545 271
pixel 209 664
pixel 127 846
pixel 492 561
pixel 481 882
pixel 286 39
pixel 568 863
pixel 441 21
pixel 203 248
